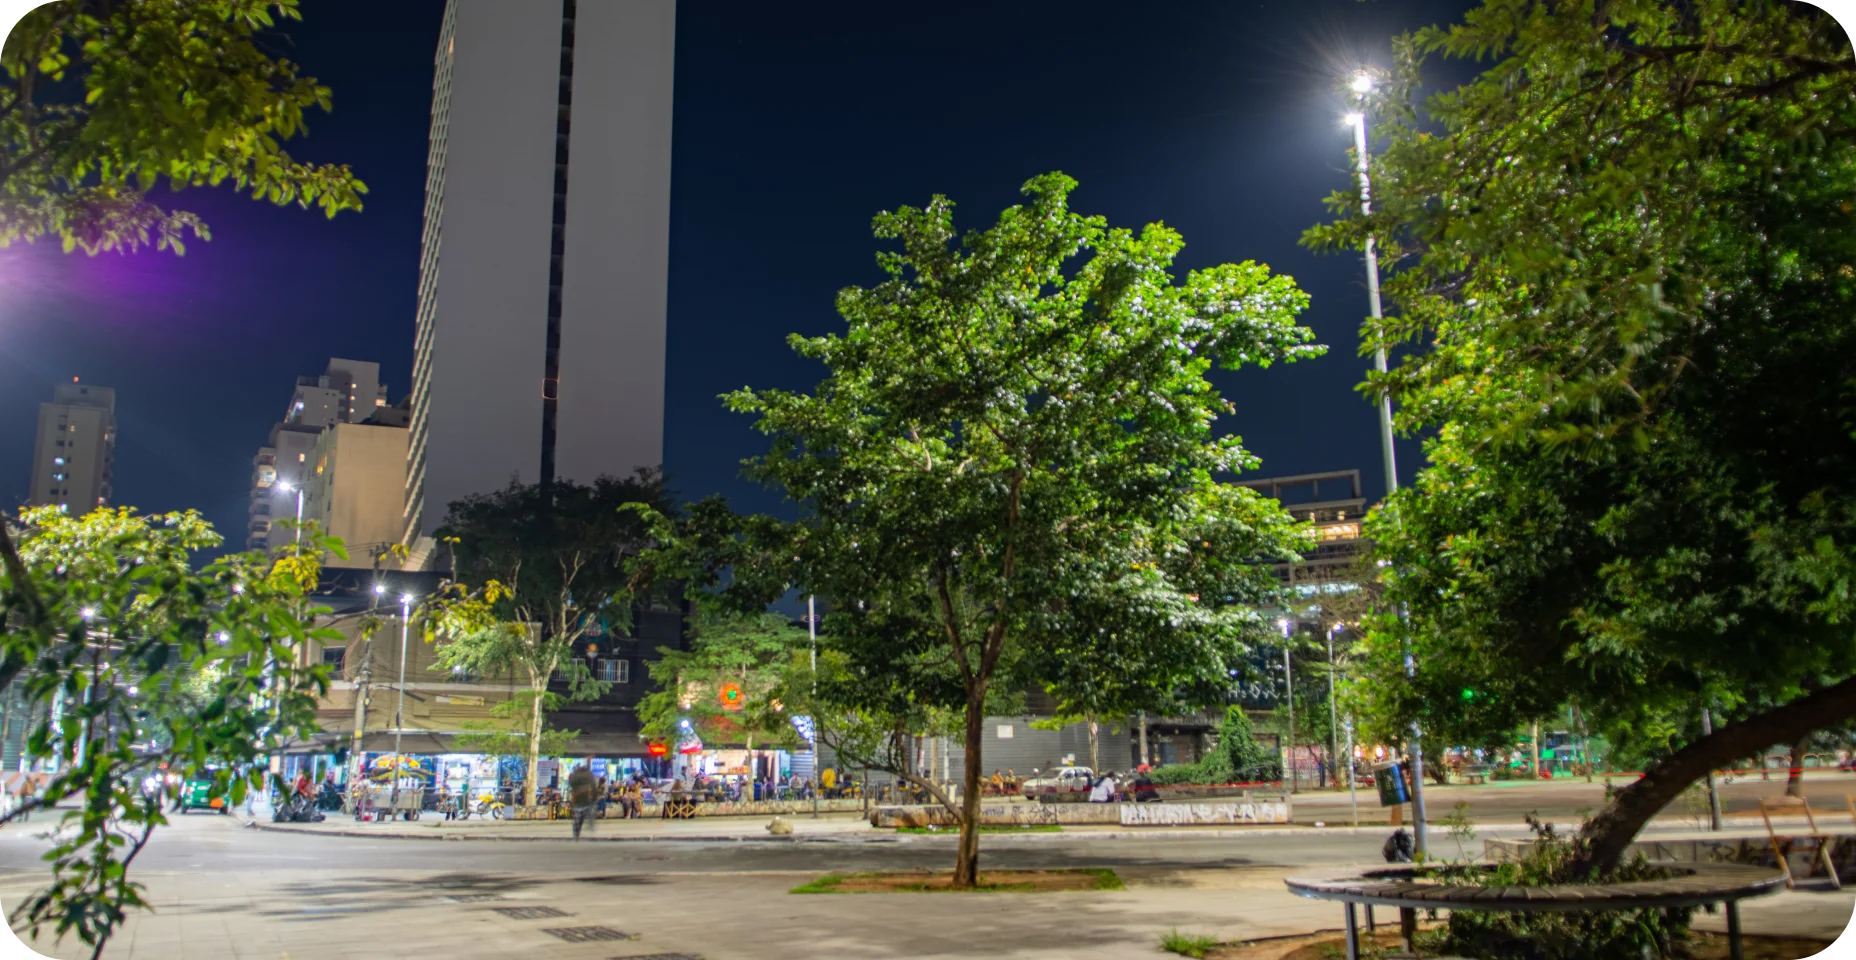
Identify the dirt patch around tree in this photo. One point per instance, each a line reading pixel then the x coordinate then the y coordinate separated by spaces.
pixel 990 881
pixel 1329 946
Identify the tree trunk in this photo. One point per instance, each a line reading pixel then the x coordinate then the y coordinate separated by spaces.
pixel 1605 837
pixel 534 744
pixel 1794 781
pixel 967 866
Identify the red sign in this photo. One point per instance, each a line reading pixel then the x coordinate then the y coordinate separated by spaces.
pixel 657 749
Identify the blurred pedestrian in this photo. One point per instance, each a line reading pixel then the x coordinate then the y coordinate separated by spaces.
pixel 580 794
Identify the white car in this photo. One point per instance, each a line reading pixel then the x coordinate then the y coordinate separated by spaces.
pixel 1061 778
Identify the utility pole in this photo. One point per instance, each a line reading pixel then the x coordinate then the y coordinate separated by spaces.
pixel 1333 708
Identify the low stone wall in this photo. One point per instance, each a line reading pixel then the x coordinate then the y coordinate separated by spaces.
pixel 758 808
pixel 1256 809
pixel 1253 810
pixel 1753 849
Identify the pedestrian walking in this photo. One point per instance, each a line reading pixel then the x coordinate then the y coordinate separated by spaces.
pixel 581 794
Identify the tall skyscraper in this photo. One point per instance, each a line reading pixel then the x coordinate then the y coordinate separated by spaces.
pixel 542 282
pixel 76 450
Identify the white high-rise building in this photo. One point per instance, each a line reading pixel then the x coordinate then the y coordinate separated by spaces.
pixel 542 285
pixel 348 391
pixel 75 456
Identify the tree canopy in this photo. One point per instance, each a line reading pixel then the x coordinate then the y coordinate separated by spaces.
pixel 131 661
pixel 104 99
pixel 1009 475
pixel 536 567
pixel 1621 261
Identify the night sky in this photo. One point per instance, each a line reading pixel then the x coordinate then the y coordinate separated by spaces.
pixel 795 123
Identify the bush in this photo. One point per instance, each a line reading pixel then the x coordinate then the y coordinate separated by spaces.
pixel 1238 757
pixel 1609 935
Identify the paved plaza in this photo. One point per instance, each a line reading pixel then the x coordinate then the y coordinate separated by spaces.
pixel 718 890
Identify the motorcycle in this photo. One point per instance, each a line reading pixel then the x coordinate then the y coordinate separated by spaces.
pixel 298 809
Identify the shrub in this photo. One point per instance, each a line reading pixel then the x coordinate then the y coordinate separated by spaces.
pixel 1607 935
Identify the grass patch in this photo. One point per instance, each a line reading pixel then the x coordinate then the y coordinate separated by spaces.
pixel 993 881
pixel 988 828
pixel 1186 944
pixel 825 884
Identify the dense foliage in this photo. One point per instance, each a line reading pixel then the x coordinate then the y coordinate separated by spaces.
pixel 1622 259
pixel 104 99
pixel 537 567
pixel 131 661
pixel 727 688
pixel 1237 757
pixel 1007 476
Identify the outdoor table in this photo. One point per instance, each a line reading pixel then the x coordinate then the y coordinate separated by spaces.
pixel 1692 885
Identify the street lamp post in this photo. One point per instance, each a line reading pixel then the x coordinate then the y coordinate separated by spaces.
pixel 287 486
pixel 1288 680
pixel 1362 84
pixel 812 637
pixel 1333 709
pixel 399 759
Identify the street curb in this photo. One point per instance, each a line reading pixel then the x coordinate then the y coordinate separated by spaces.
pixel 724 838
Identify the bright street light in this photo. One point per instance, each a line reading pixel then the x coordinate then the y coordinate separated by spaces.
pixel 88 612
pixel 379 588
pixel 1362 82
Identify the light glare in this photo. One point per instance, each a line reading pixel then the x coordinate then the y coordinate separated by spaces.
pixel 1362 82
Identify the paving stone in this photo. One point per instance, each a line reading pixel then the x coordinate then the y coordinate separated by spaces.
pixel 530 913
pixel 588 934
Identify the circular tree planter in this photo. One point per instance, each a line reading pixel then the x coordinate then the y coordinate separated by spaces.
pixel 1406 887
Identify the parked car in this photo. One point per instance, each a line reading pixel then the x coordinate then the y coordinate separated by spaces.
pixel 1060 778
pixel 195 795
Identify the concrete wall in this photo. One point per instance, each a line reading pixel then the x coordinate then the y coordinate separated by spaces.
pixel 489 329
pixel 615 272
pixel 355 487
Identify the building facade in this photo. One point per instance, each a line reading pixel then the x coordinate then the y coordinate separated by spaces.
pixel 352 488
pixel 348 391
pixel 543 276
pixel 74 457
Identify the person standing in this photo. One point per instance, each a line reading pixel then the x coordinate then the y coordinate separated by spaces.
pixel 581 794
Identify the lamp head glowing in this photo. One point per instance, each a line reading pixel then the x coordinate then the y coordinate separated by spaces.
pixel 285 486
pixel 379 588
pixel 88 612
pixel 1353 119
pixel 405 599
pixel 1362 82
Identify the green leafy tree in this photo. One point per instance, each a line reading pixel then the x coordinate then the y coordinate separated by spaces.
pixel 104 99
pixel 508 732
pixel 1010 470
pixel 133 660
pixel 536 568
pixel 729 652
pixel 1621 259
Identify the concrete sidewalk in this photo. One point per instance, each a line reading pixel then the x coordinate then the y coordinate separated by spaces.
pixel 850 828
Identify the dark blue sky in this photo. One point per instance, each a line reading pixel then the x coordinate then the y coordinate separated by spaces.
pixel 794 125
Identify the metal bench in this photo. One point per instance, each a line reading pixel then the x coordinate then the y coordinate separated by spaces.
pixel 1409 889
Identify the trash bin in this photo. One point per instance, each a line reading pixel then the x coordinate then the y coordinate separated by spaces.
pixel 1389 779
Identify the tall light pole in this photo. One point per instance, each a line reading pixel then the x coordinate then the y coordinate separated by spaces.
pixel 1288 681
pixel 1362 84
pixel 287 486
pixel 812 636
pixel 399 759
pixel 1333 709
